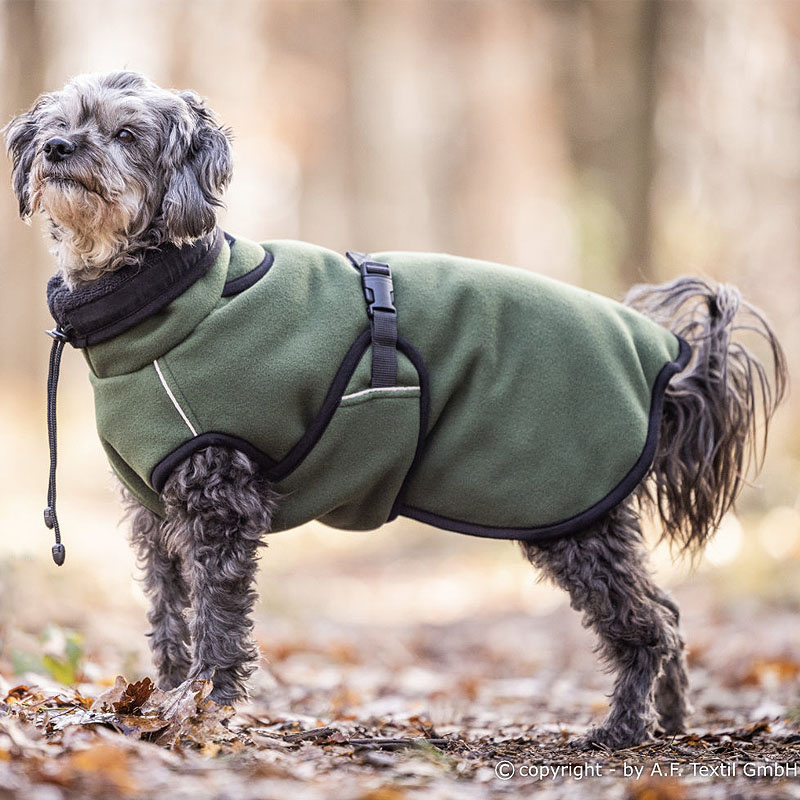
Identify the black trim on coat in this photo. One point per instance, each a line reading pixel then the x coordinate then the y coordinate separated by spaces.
pixel 580 522
pixel 328 408
pixel 237 285
pixel 161 472
pixel 415 357
pixel 273 470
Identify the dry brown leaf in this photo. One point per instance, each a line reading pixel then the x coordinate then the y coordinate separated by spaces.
pixel 343 697
pixel 21 738
pixel 142 724
pixel 384 793
pixel 85 702
pixel 16 694
pixel 134 696
pixel 179 703
pixel 207 722
pixel 424 724
pixel 80 716
pixel 469 686
pixel 657 789
pixel 767 672
pixel 140 709
pixel 103 765
pixel 106 700
pixel 188 712
pixel 118 708
pixel 210 749
pixel 344 653
pixel 281 650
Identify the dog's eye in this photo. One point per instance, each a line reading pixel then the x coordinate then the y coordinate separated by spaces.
pixel 125 136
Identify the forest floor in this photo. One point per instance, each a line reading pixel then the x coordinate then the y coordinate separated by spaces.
pixel 389 673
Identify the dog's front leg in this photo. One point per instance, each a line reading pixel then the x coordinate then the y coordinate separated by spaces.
pixel 166 589
pixel 218 511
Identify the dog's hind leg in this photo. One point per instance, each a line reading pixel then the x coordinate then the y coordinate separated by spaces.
pixel 218 510
pixel 672 702
pixel 169 597
pixel 605 574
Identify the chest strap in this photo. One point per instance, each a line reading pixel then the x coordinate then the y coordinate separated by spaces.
pixel 376 281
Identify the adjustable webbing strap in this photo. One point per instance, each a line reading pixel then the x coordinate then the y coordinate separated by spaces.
pixel 376 281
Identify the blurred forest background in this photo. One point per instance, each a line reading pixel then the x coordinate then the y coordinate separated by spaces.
pixel 599 142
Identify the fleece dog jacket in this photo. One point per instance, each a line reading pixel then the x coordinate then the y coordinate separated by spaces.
pixel 522 407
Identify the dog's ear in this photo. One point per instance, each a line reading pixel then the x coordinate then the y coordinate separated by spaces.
pixel 198 177
pixel 20 135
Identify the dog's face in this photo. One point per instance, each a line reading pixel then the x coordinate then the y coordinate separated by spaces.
pixel 117 165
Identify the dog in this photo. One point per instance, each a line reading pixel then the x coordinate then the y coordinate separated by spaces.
pixel 130 177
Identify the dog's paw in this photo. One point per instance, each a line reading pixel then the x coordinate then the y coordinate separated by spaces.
pixel 224 698
pixel 226 689
pixel 670 725
pixel 602 738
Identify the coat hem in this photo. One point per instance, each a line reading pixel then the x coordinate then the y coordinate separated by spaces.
pixel 580 522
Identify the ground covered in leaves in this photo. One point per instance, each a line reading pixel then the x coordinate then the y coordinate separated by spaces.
pixel 390 674
pixel 136 741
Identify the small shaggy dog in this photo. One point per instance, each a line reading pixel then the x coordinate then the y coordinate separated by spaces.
pixel 242 389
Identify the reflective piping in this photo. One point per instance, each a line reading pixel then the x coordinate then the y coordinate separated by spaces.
pixel 379 389
pixel 172 397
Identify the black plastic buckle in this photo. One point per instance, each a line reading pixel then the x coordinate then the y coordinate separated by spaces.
pixel 376 278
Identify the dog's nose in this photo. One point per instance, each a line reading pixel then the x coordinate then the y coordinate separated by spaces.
pixel 58 149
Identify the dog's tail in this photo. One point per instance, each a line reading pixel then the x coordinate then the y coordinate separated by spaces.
pixel 713 409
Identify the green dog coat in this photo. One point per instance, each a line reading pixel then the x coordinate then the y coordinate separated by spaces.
pixel 520 407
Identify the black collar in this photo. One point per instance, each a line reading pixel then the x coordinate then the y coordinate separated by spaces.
pixel 111 305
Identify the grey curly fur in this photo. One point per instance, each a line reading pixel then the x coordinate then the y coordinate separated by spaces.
pixel 166 589
pixel 110 202
pixel 636 623
pixel 199 566
pixel 709 433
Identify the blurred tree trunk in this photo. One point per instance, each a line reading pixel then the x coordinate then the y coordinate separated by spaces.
pixel 311 44
pixel 393 149
pixel 608 80
pixel 23 81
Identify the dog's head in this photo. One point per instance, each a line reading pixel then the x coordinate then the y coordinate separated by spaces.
pixel 118 165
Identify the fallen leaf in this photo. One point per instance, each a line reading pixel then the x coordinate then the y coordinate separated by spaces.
pixel 655 789
pixel 134 696
pixel 17 693
pixel 105 765
pixel 106 700
pixel 384 793
pixel 210 749
pixel 768 672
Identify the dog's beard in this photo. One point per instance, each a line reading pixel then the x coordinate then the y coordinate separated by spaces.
pixel 91 227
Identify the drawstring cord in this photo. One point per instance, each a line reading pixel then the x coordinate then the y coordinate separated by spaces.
pixel 50 519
